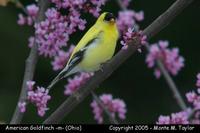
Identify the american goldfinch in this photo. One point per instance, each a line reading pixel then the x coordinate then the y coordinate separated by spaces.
pixel 95 48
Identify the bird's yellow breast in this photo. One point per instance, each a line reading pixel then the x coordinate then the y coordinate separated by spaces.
pixel 101 50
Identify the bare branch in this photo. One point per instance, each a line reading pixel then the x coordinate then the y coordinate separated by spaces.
pixel 161 22
pixel 172 85
pixel 31 62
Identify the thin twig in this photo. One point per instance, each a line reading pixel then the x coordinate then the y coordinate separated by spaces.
pixel 172 85
pixel 161 22
pixel 170 82
pixel 111 118
pixel 31 62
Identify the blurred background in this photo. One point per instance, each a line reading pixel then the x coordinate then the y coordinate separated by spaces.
pixel 145 96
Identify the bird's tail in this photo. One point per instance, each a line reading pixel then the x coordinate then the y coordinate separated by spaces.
pixel 63 74
pixel 55 80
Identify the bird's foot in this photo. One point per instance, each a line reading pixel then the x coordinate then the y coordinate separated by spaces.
pixel 101 67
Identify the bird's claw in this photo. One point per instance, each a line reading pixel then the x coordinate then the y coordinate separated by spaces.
pixel 101 67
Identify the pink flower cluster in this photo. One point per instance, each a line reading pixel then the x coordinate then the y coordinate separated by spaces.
pixel 91 6
pixel 129 28
pixel 183 116
pixel 194 98
pixel 53 33
pixel 38 97
pixel 61 59
pixel 32 11
pixel 130 35
pixel 175 118
pixel 113 105
pixel 75 83
pixel 170 58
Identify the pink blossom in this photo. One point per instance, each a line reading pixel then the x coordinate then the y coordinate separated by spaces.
pixel 21 19
pixel 39 98
pixel 194 98
pixel 32 11
pixel 30 84
pixel 29 21
pixel 22 107
pixel 163 120
pixel 175 118
pixel 191 96
pixel 130 35
pixel 180 118
pixel 113 105
pixel 170 58
pixel 139 16
pixel 127 26
pixel 75 83
pixel 91 6
pixel 157 73
pixel 76 21
pixel 61 59
pixel 53 33
pixel 195 121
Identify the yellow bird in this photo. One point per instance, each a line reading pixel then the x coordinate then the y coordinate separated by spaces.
pixel 95 48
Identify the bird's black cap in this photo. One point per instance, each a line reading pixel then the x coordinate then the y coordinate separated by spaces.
pixel 109 17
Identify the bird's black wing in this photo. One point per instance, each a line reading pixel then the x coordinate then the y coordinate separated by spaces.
pixel 76 58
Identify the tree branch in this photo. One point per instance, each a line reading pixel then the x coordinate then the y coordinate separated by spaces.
pixel 172 85
pixel 161 22
pixel 111 118
pixel 31 62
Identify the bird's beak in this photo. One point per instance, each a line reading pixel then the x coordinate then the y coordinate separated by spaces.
pixel 112 20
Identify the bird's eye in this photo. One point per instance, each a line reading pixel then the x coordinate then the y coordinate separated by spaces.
pixel 109 17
